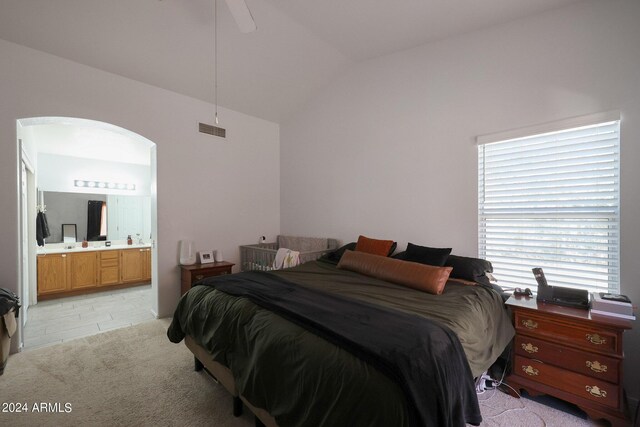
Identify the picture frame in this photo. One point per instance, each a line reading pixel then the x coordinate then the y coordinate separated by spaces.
pixel 206 257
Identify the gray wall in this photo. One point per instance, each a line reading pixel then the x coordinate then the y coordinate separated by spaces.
pixel 219 193
pixel 388 150
pixel 68 208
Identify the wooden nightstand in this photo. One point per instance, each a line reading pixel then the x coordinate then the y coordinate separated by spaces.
pixel 570 354
pixel 192 273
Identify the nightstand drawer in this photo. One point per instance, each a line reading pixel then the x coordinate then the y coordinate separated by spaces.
pixel 197 276
pixel 589 388
pixel 594 339
pixel 591 364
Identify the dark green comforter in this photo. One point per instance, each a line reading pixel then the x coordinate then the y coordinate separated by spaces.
pixel 303 380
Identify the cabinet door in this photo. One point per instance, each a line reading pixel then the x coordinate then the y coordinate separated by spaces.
pixel 84 270
pixel 52 274
pixel 109 268
pixel 131 261
pixel 146 267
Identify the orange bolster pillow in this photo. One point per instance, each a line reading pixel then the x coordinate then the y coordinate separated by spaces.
pixel 422 277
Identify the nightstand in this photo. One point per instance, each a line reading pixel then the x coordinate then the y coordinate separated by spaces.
pixel 192 273
pixel 569 354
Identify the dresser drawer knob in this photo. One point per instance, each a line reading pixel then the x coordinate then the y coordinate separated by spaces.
pixel 530 348
pixel 596 339
pixel 595 391
pixel 529 324
pixel 530 370
pixel 199 277
pixel 595 366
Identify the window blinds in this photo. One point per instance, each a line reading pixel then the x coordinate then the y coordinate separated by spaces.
pixel 552 201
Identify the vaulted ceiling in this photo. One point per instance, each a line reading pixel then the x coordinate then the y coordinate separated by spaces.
pixel 300 45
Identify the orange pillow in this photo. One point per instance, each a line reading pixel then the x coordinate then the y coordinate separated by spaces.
pixel 374 246
pixel 423 277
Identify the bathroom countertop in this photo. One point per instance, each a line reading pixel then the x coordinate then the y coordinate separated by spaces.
pixel 62 250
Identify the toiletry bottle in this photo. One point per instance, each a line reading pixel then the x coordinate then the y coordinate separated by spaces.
pixel 85 244
pixel 129 240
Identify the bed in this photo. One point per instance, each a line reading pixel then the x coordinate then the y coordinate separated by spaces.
pixel 290 376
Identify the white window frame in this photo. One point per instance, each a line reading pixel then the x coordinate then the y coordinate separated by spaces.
pixel 484 215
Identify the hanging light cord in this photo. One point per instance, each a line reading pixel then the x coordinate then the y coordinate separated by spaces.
pixel 215 54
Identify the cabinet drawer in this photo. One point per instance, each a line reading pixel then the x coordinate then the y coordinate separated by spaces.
pixel 594 339
pixel 112 262
pixel 583 386
pixel 199 275
pixel 591 364
pixel 109 254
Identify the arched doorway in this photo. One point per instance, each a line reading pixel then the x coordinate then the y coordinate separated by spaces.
pixel 73 157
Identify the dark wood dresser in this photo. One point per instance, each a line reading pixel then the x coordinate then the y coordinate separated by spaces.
pixel 192 273
pixel 569 354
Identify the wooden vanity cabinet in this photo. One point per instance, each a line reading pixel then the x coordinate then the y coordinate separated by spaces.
pixel 53 274
pixel 80 272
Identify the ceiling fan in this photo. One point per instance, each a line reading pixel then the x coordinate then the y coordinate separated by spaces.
pixel 241 13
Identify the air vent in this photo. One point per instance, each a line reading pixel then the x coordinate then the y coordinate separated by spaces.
pixel 213 130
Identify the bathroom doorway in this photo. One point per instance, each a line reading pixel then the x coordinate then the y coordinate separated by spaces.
pixel 88 229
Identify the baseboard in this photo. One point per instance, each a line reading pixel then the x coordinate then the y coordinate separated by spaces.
pixel 154 314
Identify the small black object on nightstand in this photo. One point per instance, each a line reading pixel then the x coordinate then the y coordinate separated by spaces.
pixel 520 292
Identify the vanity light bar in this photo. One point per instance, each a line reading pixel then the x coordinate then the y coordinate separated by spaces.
pixel 101 184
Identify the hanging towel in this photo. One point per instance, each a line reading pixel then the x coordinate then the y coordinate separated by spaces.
pixel 286 258
pixel 42 228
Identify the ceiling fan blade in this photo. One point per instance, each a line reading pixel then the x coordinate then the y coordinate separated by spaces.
pixel 242 15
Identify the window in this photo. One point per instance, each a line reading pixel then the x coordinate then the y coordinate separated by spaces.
pixel 552 200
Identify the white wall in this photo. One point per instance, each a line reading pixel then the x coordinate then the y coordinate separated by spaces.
pixel 219 193
pixel 388 150
pixel 59 173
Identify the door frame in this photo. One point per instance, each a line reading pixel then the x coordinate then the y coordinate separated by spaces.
pixel 27 250
pixel 30 121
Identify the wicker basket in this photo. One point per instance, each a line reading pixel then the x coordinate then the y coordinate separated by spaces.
pixel 261 256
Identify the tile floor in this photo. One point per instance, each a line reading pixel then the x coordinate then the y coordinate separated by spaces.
pixel 59 320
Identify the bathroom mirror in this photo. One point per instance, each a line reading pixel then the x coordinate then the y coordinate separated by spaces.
pixel 69 233
pixel 98 216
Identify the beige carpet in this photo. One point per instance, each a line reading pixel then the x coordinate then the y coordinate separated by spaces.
pixel 136 377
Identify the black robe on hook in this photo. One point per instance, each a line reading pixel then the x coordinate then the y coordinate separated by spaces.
pixel 94 219
pixel 42 228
